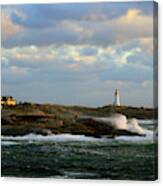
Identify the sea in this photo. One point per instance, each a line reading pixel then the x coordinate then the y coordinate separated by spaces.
pixel 67 156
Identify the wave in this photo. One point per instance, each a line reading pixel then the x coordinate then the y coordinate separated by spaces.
pixel 30 138
pixel 147 121
pixel 57 138
pixel 150 137
pixel 6 143
pixel 120 122
pixel 117 121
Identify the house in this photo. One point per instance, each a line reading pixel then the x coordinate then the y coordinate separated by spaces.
pixel 8 100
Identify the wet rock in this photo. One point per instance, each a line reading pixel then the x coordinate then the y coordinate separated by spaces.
pixel 44 132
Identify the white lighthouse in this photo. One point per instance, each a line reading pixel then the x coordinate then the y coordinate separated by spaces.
pixel 117 98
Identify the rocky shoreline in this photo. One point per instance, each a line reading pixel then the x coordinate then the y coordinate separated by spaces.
pixel 57 119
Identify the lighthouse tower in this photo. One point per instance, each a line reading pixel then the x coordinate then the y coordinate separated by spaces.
pixel 117 98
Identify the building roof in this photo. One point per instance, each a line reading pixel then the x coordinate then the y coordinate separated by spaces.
pixel 5 98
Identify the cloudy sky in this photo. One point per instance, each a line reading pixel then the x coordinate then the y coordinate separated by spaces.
pixel 77 54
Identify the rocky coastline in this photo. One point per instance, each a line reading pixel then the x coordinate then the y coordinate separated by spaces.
pixel 46 119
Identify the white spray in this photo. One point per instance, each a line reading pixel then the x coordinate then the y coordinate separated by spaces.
pixel 119 121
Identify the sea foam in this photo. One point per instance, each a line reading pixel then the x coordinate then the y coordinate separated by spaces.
pixel 150 137
pixel 57 138
pixel 120 122
pixel 117 121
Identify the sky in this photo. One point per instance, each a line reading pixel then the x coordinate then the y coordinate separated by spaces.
pixel 78 53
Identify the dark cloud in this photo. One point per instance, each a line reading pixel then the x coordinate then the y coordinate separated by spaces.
pixel 83 23
pixel 44 15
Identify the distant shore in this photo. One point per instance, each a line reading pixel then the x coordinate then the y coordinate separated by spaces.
pixel 49 119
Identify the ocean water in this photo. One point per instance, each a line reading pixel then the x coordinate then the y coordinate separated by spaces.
pixel 81 157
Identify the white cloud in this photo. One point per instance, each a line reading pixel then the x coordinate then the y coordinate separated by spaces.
pixel 146 44
pixel 75 27
pixel 8 28
pixel 75 57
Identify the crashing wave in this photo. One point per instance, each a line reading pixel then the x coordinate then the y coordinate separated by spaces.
pixel 119 122
pixel 133 126
pixel 57 138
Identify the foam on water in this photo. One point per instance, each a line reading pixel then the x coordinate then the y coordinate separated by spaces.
pixel 120 122
pixel 6 143
pixel 146 121
pixel 57 138
pixel 13 140
pixel 148 138
pixel 133 126
pixel 117 121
